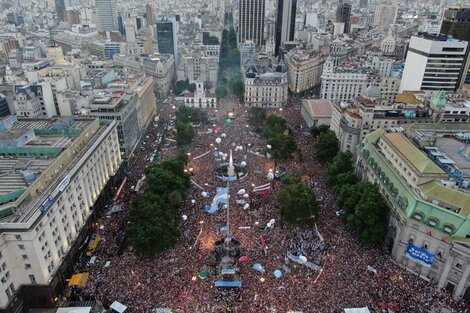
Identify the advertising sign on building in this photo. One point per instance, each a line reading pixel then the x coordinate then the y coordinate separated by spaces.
pixel 46 205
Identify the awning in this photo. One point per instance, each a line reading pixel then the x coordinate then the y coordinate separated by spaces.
pixel 79 280
pixel 118 307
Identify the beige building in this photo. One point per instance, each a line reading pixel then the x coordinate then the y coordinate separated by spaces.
pixel 268 89
pixel 316 112
pixel 304 69
pixel 55 172
pixel 385 15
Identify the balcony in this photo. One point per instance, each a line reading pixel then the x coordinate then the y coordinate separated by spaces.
pixel 346 128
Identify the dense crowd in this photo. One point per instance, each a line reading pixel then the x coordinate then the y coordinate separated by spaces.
pixel 171 280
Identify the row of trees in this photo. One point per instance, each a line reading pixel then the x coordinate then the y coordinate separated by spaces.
pixel 365 209
pixel 153 217
pixel 279 138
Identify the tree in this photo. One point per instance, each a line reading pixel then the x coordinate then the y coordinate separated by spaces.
pixel 221 92
pixel 257 116
pixel 184 134
pixel 348 178
pixel 327 146
pixel 298 204
pixel 316 131
pixel 369 220
pixel 237 86
pixel 191 87
pixel 274 125
pixel 282 146
pixel 341 163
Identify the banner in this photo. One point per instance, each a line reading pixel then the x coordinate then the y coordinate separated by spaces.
pixel 419 255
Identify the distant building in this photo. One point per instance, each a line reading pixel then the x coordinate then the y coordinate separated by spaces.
pixel 434 63
pixel 107 15
pixel 343 14
pixel 149 15
pixel 456 22
pixel 385 15
pixel 4 109
pixel 60 9
pixel 166 37
pixel 267 89
pixel 251 21
pixel 304 70
pixel 285 23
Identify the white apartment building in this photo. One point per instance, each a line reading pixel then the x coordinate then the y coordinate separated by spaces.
pixel 385 15
pixel 46 206
pixel 344 82
pixel 35 100
pixel 268 90
pixel 433 63
pixel 304 69
pixel 197 65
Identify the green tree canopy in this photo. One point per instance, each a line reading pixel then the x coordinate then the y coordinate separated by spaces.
pixel 326 146
pixel 282 146
pixel 257 116
pixel 316 131
pixel 152 217
pixel 298 204
pixel 274 125
pixel 221 92
pixel 341 164
pixel 184 134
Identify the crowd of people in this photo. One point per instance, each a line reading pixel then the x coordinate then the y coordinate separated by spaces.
pixel 171 280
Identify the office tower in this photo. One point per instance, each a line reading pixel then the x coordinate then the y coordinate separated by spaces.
pixel 60 9
pixel 107 15
pixel 166 37
pixel 343 12
pixel 363 3
pixel 285 23
pixel 456 22
pixel 121 27
pixel 149 15
pixel 385 15
pixel 433 63
pixel 251 21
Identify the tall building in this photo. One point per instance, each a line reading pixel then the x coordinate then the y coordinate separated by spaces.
pixel 107 15
pixel 285 23
pixel 363 3
pixel 385 15
pixel 59 175
pixel 456 22
pixel 166 37
pixel 267 89
pixel 149 15
pixel 60 9
pixel 434 63
pixel 343 13
pixel 304 69
pixel 251 21
pixel 4 109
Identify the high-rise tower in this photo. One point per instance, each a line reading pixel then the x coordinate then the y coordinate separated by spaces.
pixel 343 12
pixel 285 23
pixel 251 21
pixel 107 15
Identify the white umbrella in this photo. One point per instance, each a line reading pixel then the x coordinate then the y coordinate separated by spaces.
pixel 303 259
pixel 185 217
pixel 243 164
pixel 246 206
pixel 246 195
pixel 270 176
pixel 241 192
pixel 218 140
pixel 223 135
pixel 268 146
pixel 193 201
pixel 204 194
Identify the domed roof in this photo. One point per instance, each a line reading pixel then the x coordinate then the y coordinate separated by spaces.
pixel 373 92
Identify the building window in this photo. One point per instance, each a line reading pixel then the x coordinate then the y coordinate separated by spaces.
pixel 21 247
pixel 27 266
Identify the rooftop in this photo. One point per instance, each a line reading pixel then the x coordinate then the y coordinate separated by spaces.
pixel 26 161
pixel 320 108
pixel 453 197
pixel 417 158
